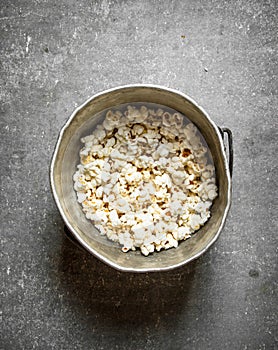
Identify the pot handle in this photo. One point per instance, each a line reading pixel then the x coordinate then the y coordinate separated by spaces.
pixel 227 131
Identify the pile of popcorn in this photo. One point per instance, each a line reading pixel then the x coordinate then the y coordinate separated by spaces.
pixel 144 179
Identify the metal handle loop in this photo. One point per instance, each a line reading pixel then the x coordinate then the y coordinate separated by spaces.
pixel 227 131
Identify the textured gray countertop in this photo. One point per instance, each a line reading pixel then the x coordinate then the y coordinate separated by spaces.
pixel 56 54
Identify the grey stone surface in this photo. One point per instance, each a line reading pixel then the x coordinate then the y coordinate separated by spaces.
pixel 54 55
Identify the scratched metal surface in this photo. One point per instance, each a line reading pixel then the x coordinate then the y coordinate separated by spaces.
pixel 56 54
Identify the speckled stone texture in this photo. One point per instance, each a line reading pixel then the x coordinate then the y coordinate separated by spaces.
pixel 56 54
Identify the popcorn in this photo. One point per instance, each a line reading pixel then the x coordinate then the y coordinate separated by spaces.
pixel 101 229
pixel 178 177
pixel 194 221
pixel 145 180
pixel 115 154
pixel 162 151
pixel 176 208
pixel 177 120
pixel 144 250
pixel 110 142
pixel 81 197
pixel 99 192
pixel 137 129
pixel 183 232
pixel 105 176
pixel 128 219
pixel 163 181
pixel 122 205
pixel 98 218
pixel 172 242
pixel 113 118
pixel 114 218
pixel 133 176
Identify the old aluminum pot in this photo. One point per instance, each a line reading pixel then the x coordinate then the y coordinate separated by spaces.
pixel 66 157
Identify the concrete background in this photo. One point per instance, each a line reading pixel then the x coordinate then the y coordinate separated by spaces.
pixel 56 54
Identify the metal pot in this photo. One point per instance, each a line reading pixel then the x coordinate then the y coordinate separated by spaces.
pixel 66 157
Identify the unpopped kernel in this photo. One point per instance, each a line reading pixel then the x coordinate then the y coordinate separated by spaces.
pixel 144 179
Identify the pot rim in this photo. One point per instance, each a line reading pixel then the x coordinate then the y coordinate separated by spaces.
pixel 64 216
